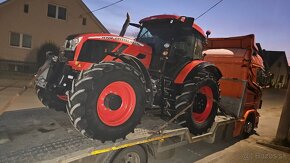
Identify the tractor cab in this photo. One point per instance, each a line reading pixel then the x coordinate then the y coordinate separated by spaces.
pixel 175 41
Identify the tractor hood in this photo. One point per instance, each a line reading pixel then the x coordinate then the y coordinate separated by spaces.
pixel 94 48
pixel 113 38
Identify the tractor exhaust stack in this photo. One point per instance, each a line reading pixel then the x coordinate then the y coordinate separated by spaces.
pixel 125 25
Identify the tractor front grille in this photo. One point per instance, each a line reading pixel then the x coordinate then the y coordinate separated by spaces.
pixel 95 51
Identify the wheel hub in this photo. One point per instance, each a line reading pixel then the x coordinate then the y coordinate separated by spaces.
pixel 113 101
pixel 116 103
pixel 203 104
pixel 132 157
pixel 200 103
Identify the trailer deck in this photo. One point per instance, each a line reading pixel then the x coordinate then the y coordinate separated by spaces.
pixel 44 135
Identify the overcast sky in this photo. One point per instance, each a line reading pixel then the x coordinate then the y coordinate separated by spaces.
pixel 269 20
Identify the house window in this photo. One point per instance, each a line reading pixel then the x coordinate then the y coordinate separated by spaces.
pixel 57 12
pixel 14 39
pixel 26 8
pixel 20 40
pixel 61 13
pixel 26 41
pixel 51 11
pixel 84 21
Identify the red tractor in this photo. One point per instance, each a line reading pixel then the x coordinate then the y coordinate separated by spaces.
pixel 107 81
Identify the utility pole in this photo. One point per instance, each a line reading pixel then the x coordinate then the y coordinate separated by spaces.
pixel 283 132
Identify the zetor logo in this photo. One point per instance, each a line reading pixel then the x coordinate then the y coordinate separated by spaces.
pixel 118 39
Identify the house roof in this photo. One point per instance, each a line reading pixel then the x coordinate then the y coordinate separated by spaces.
pixel 93 16
pixel 82 4
pixel 272 56
pixel 4 2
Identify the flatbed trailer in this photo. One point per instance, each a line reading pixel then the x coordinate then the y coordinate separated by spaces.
pixel 76 146
pixel 72 146
pixel 238 107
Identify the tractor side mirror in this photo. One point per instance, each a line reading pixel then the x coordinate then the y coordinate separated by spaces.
pixel 208 32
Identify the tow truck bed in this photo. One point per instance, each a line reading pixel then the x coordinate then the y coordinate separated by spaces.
pixel 42 135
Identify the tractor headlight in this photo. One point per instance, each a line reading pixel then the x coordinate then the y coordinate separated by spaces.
pixel 165 53
pixel 72 44
pixel 166 45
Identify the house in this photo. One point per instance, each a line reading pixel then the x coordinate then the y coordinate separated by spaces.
pixel 25 25
pixel 278 66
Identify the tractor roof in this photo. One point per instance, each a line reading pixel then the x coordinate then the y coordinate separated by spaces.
pixel 180 18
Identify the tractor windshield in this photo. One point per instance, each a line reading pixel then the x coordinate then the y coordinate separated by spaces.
pixel 184 40
pixel 156 34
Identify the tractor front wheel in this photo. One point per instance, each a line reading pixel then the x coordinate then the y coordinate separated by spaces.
pixel 50 99
pixel 203 92
pixel 107 101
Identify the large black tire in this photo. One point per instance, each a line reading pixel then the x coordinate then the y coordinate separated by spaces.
pixel 50 99
pixel 203 91
pixel 103 92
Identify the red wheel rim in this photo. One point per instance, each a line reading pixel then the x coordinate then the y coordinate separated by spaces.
pixel 202 117
pixel 119 115
pixel 62 97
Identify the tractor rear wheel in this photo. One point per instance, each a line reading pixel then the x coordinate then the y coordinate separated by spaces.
pixel 50 99
pixel 203 91
pixel 107 101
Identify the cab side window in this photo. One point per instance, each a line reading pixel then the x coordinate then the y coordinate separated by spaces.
pixel 198 47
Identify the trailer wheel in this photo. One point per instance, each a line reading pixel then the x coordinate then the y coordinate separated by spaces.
pixel 107 101
pixel 203 90
pixel 134 154
pixel 249 126
pixel 50 99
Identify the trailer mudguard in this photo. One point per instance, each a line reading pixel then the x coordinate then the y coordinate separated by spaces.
pixel 241 122
pixel 194 67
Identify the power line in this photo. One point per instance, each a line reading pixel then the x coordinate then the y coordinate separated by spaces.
pixel 209 9
pixel 106 6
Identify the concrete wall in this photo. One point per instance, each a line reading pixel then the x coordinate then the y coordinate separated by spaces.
pixel 278 72
pixel 41 27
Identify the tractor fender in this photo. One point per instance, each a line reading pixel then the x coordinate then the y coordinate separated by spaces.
pixel 136 63
pixel 194 67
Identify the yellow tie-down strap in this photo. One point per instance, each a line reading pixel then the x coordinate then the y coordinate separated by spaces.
pixel 99 151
